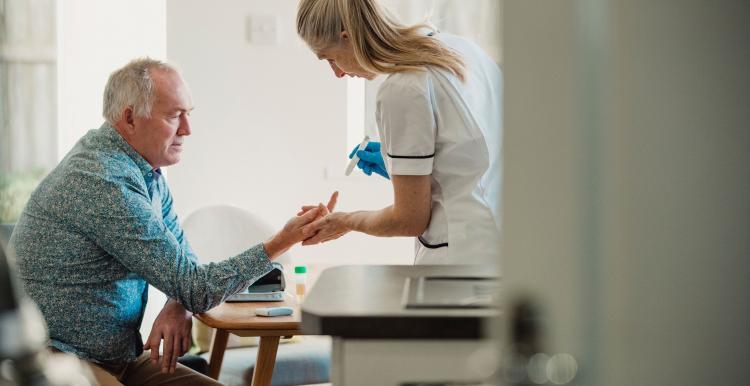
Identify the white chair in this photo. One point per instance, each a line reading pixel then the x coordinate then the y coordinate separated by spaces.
pixel 215 233
pixel 218 232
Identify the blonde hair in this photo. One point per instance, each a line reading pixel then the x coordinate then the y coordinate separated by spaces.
pixel 381 44
pixel 133 86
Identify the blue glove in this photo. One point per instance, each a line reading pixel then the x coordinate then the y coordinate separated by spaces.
pixel 370 159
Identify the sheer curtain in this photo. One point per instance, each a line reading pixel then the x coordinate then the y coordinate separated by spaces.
pixel 27 86
pixel 28 100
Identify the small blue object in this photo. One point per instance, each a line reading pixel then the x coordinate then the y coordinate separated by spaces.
pixel 370 159
pixel 274 311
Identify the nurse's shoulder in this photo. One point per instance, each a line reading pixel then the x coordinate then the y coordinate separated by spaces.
pixel 405 86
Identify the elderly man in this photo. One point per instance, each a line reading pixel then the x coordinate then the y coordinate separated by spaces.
pixel 101 226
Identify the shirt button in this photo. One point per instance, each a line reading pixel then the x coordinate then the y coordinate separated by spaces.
pixel 150 174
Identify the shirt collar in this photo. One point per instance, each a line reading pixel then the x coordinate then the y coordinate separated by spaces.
pixel 149 173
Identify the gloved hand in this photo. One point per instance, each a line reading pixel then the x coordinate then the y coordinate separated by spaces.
pixel 370 159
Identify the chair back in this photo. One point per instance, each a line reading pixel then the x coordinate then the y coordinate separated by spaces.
pixel 221 231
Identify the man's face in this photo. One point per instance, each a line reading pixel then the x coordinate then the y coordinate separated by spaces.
pixel 159 138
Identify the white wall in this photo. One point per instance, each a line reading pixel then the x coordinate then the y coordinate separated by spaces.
pixel 269 120
pixel 95 38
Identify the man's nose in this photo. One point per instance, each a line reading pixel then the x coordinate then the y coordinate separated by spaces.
pixel 185 128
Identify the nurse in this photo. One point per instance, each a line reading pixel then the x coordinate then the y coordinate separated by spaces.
pixel 439 119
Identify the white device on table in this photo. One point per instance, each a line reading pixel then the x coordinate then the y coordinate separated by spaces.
pixel 246 296
pixel 355 158
pixel 274 311
pixel 268 288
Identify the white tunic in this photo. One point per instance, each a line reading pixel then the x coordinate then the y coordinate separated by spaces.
pixel 431 123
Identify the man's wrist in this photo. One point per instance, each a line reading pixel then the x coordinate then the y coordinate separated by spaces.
pixel 175 304
pixel 275 246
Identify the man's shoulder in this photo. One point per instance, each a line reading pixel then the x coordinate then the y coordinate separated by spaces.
pixel 91 170
pixel 97 156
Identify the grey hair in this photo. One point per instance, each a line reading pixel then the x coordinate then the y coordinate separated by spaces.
pixel 132 86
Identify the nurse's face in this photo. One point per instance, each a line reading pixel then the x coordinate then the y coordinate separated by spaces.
pixel 340 57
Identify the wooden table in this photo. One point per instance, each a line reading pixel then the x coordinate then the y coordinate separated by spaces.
pixel 239 318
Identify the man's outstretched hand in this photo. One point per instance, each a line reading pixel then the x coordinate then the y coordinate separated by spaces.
pixel 291 234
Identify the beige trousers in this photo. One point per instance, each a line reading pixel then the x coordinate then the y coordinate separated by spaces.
pixel 143 372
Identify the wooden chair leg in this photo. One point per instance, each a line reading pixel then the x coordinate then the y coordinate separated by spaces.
pixel 266 360
pixel 218 346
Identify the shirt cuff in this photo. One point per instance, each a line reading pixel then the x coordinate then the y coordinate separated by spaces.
pixel 410 166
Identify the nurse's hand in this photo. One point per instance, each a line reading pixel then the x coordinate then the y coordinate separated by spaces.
pixel 370 159
pixel 329 227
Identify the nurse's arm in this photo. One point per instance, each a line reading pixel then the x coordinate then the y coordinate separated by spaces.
pixel 408 216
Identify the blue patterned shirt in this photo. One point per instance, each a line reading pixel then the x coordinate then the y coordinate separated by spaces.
pixel 96 230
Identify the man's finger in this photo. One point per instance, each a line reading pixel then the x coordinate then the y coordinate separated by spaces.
pixel 296 223
pixel 311 228
pixel 332 202
pixel 167 357
pixel 305 209
pixel 322 210
pixel 175 354
pixel 153 343
pixel 310 214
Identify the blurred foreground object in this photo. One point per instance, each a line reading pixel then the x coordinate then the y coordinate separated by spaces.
pixel 24 358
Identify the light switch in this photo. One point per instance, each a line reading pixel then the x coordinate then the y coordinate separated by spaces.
pixel 262 29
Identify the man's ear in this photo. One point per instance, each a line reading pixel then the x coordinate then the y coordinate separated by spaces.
pixel 126 124
pixel 128 118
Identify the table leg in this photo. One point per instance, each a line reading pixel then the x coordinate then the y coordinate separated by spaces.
pixel 218 346
pixel 267 349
